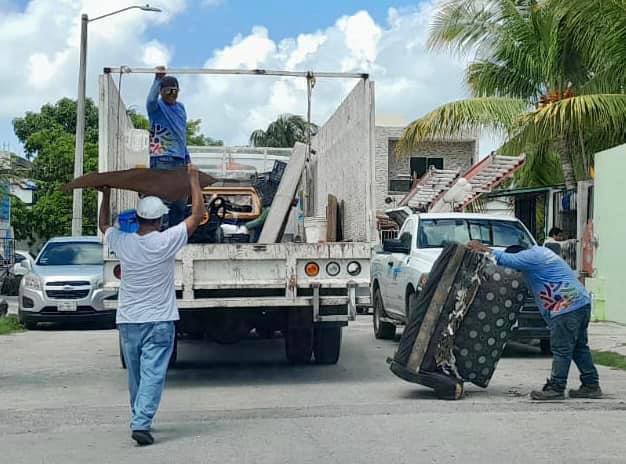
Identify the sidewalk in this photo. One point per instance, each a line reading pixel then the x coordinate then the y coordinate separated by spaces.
pixel 607 336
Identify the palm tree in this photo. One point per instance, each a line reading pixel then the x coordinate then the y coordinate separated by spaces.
pixel 532 80
pixel 284 132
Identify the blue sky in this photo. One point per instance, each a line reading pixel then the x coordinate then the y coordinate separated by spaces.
pixel 205 27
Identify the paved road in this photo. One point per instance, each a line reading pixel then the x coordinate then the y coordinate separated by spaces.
pixel 63 400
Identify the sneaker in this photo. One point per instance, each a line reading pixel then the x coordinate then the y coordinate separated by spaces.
pixel 142 437
pixel 587 391
pixel 548 393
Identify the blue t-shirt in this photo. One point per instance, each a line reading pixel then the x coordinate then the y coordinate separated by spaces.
pixel 555 286
pixel 168 126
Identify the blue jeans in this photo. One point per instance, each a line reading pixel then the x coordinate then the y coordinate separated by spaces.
pixel 568 337
pixel 178 208
pixel 147 348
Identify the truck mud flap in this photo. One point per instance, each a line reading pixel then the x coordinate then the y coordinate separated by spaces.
pixel 460 323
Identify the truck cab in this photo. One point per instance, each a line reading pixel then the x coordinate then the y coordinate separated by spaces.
pixel 400 269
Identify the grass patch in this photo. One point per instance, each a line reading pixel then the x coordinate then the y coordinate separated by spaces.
pixel 609 359
pixel 10 324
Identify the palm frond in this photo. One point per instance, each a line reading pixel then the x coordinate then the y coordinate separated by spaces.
pixel 584 114
pixel 462 118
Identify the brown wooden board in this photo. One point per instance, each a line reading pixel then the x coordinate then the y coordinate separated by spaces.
pixel 433 312
pixel 171 185
pixel 331 218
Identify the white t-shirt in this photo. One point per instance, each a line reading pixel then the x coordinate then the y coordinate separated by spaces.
pixel 147 292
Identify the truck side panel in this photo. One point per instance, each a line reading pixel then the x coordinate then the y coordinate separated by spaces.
pixel 343 163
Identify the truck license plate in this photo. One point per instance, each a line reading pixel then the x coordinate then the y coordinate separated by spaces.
pixel 67 306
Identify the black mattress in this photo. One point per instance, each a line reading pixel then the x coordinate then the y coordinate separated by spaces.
pixel 460 323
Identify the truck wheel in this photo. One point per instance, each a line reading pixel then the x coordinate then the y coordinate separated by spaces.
pixel 327 345
pixel 545 347
pixel 382 330
pixel 299 345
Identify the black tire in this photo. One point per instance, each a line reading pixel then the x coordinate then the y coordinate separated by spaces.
pixel 545 347
pixel 382 330
pixel 28 325
pixel 327 345
pixel 299 345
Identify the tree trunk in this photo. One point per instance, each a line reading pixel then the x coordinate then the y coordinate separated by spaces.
pixel 569 175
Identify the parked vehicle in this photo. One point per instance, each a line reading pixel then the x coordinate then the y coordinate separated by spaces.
pixel 65 284
pixel 400 269
pixel 307 291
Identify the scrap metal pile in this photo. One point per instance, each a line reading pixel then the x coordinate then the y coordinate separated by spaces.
pixel 459 325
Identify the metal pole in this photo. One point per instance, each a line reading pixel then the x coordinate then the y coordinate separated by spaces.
pixel 77 205
pixel 240 72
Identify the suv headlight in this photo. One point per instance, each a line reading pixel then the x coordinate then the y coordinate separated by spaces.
pixel 32 282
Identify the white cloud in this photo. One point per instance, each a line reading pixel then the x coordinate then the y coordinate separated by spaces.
pixel 40 48
pixel 40 64
pixel 410 80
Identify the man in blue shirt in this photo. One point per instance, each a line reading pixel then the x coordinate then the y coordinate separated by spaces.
pixel 168 133
pixel 565 304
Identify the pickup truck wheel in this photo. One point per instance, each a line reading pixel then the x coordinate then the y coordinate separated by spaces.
pixel 382 330
pixel 327 344
pixel 545 347
pixel 299 345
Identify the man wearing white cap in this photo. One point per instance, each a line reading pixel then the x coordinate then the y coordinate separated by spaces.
pixel 147 298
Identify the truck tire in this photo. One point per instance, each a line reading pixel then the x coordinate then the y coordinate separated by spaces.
pixel 299 345
pixel 327 345
pixel 545 347
pixel 382 330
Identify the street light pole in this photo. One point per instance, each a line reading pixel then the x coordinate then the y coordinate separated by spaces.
pixel 77 203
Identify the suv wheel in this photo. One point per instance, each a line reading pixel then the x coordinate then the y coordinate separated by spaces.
pixel 382 330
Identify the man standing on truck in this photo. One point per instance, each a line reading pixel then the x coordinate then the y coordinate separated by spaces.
pixel 566 306
pixel 147 298
pixel 168 132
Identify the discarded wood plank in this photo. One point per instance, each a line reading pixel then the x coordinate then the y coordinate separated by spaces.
pixel 331 218
pixel 434 311
pixel 284 195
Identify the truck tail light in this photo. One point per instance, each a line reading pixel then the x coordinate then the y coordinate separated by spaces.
pixel 117 272
pixel 333 269
pixel 312 269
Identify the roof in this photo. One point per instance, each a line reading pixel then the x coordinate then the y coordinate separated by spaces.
pixel 81 239
pixel 476 216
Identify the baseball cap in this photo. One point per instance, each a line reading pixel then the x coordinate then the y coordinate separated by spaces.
pixel 169 81
pixel 151 208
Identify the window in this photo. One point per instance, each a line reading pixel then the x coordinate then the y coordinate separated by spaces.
pixel 71 254
pixel 420 165
pixel 436 233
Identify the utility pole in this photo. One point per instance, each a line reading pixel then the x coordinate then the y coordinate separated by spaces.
pixel 77 203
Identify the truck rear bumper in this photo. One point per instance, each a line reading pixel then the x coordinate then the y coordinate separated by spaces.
pixel 316 303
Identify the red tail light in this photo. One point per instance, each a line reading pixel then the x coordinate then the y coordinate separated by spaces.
pixel 117 272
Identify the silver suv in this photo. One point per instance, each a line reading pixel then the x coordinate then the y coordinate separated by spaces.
pixel 65 284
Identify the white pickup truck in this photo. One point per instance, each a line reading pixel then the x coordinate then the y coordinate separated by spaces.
pixel 398 272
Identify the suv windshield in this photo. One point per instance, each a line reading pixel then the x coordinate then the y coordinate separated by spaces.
pixel 435 233
pixel 71 254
